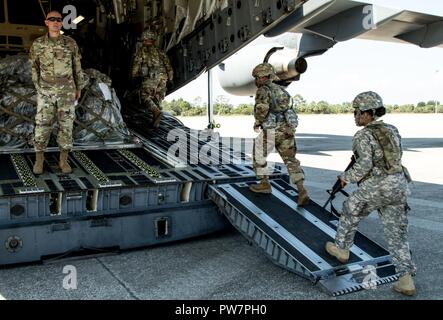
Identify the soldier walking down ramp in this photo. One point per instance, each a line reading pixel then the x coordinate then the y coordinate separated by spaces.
pixel 276 122
pixel 57 76
pixel 383 186
pixel 153 69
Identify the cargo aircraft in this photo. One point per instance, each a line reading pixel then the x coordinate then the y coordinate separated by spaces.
pixel 136 192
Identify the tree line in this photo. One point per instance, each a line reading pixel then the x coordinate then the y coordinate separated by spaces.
pixel 222 106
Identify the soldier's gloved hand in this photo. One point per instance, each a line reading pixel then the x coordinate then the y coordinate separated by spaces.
pixel 342 182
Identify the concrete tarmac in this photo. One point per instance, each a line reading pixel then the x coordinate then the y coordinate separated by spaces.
pixel 224 266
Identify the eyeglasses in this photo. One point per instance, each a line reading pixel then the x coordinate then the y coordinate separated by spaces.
pixel 54 19
pixel 356 112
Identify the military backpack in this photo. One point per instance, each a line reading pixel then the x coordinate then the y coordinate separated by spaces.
pixel 279 112
pixel 391 162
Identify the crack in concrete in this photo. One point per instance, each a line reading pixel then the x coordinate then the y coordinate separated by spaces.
pixel 120 281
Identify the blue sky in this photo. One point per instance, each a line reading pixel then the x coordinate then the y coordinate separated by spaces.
pixel 400 73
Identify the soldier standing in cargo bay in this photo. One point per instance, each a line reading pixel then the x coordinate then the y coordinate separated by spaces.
pixel 272 104
pixel 383 186
pixel 152 69
pixel 57 76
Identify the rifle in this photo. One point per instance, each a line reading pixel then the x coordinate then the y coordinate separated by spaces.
pixel 337 188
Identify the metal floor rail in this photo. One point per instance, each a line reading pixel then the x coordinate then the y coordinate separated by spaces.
pixel 294 238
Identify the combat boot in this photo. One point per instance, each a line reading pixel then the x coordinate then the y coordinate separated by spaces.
pixel 157 116
pixel 63 164
pixel 39 160
pixel 303 197
pixel 405 285
pixel 263 187
pixel 342 255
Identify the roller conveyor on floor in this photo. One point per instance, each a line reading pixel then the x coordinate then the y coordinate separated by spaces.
pixel 294 237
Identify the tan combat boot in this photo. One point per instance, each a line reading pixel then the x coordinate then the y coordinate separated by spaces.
pixel 342 255
pixel 63 164
pixel 39 160
pixel 263 187
pixel 303 197
pixel 157 116
pixel 405 285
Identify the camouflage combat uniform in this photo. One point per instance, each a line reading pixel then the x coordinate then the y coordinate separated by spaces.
pixel 282 137
pixel 154 66
pixel 383 186
pixel 57 74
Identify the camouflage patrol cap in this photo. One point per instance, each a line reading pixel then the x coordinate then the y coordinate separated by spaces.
pixel 149 34
pixel 367 101
pixel 264 70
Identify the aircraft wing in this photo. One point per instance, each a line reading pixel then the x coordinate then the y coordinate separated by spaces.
pixel 341 20
pixel 319 23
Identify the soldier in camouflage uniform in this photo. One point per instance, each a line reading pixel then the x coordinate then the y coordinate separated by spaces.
pixel 383 186
pixel 57 77
pixel 271 102
pixel 153 66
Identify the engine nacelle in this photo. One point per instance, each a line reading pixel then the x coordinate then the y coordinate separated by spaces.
pixel 235 74
pixel 286 64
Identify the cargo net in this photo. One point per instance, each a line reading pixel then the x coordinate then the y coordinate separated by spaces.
pixel 98 117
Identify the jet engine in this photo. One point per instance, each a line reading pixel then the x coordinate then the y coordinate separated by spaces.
pixel 235 74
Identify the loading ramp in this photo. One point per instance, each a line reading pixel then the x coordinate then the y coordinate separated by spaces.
pixel 294 238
